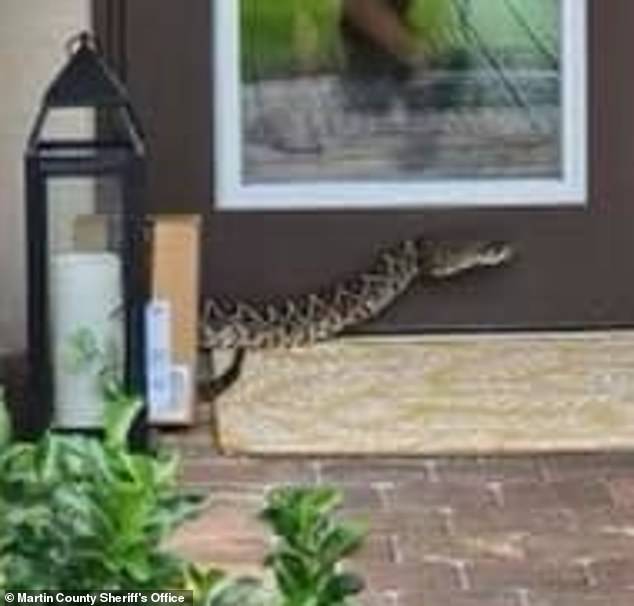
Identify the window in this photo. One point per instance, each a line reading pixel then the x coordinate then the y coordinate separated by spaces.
pixel 359 104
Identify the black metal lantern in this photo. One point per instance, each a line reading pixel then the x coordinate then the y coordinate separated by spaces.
pixel 86 245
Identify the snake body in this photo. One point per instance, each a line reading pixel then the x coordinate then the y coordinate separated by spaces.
pixel 311 318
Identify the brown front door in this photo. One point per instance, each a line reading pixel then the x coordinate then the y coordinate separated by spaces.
pixel 575 265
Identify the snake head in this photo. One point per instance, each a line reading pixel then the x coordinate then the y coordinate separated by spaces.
pixel 444 260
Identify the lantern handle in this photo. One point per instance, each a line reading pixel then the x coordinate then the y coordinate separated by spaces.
pixel 82 40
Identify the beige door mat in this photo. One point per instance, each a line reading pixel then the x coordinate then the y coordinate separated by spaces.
pixel 508 393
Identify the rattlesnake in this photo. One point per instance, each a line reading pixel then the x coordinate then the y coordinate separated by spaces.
pixel 304 320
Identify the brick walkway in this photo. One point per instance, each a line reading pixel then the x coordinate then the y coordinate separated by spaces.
pixel 525 531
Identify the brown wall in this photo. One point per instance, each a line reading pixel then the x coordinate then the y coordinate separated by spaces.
pixel 32 38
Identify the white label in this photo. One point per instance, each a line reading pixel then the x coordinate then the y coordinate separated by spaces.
pixel 159 356
pixel 181 390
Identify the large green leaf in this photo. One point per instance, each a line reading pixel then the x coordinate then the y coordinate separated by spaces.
pixel 202 582
pixel 292 573
pixel 340 587
pixel 340 542
pixel 120 412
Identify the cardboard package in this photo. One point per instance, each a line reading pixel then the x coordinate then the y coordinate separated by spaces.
pixel 175 293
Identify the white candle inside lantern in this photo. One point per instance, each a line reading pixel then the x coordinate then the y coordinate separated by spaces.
pixel 86 298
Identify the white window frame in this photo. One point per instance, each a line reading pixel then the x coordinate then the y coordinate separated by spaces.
pixel 232 194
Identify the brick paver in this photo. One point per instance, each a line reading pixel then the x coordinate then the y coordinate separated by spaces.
pixel 543 530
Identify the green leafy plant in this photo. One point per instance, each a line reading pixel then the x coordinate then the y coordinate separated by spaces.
pixel 310 545
pixel 78 513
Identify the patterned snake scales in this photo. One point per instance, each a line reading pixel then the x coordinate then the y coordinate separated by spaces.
pixel 308 319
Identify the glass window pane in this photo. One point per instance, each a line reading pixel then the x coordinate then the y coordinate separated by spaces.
pixel 400 89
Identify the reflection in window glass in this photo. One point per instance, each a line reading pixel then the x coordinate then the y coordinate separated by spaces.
pixel 364 90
